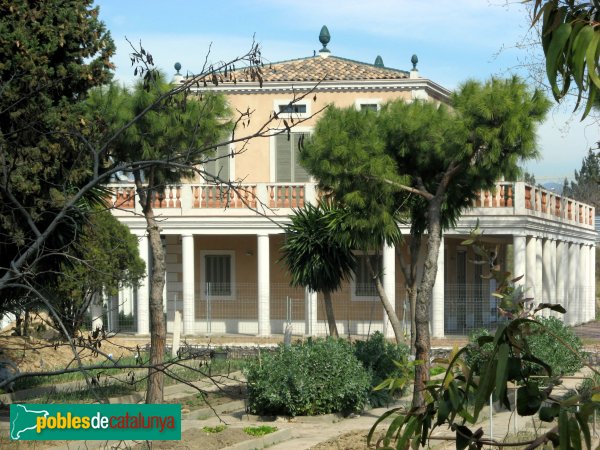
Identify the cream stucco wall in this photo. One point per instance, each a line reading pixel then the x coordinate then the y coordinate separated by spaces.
pixel 253 162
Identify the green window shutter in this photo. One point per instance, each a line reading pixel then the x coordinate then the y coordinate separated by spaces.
pixel 220 165
pixel 300 174
pixel 218 274
pixel 364 283
pixel 283 158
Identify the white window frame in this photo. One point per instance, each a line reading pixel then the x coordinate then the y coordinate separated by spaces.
pixel 272 150
pixel 364 298
pixel 368 101
pixel 204 253
pixel 278 103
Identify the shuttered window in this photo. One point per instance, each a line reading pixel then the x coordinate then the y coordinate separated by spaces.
pixel 364 285
pixel 218 163
pixel 369 107
pixel 287 158
pixel 217 275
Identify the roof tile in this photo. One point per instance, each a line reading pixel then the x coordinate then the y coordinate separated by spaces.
pixel 332 68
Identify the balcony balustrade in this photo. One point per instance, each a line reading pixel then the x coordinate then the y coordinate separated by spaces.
pixel 278 199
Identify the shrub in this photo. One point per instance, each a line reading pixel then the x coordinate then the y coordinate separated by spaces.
pixel 542 344
pixel 477 356
pixel 378 356
pixel 312 378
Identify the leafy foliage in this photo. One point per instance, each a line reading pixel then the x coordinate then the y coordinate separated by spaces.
pixel 315 256
pixel 104 259
pixel 51 53
pixel 476 354
pixel 550 341
pixel 377 356
pixel 427 162
pixel 260 430
pixel 312 378
pixel 571 43
pixel 506 357
pixel 543 341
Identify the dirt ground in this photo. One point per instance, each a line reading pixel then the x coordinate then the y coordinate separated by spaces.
pixel 33 354
pixel 197 438
pixel 355 440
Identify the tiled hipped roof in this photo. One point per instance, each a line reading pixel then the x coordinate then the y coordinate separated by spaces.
pixel 332 68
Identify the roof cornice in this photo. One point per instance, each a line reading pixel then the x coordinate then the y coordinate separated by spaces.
pixel 407 84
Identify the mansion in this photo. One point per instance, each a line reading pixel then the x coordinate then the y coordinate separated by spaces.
pixel 224 272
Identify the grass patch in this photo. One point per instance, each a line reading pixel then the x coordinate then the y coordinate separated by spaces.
pixel 436 370
pixel 214 430
pixel 259 430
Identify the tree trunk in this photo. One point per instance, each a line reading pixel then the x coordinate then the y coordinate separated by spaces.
pixel 415 250
pixel 333 331
pixel 387 306
pixel 410 278
pixel 422 338
pixel 158 335
pixel 158 331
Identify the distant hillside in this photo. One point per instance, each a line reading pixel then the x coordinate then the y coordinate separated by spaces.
pixel 553 186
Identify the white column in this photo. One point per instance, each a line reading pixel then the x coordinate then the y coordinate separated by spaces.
pixel 437 305
pixel 264 297
pixel 310 314
pixel 539 270
pixel 113 313
pixel 143 297
pixel 531 267
pixel 572 305
pixel 548 273
pixel 592 283
pixel 582 281
pixel 520 258
pixel 562 268
pixel 389 285
pixel 189 285
pixel 96 311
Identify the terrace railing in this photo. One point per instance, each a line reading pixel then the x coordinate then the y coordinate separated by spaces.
pixel 506 198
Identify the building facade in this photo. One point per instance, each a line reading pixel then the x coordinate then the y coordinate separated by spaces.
pixel 222 246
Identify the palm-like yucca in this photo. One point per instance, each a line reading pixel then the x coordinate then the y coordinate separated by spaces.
pixel 314 257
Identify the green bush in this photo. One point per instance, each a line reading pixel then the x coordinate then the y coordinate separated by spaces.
pixel 378 356
pixel 312 378
pixel 477 356
pixel 542 344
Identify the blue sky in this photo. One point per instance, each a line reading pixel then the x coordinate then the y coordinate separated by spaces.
pixel 454 40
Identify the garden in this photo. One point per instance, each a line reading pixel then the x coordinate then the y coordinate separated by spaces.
pixel 272 390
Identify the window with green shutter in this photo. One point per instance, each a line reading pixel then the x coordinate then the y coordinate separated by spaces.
pixel 218 162
pixel 364 285
pixel 287 158
pixel 218 275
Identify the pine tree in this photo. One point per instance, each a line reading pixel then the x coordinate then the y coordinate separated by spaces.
pixel 51 53
pixel 586 185
pixel 429 162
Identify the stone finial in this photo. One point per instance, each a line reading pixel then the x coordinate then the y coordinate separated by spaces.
pixel 414 60
pixel 324 38
pixel 177 78
pixel 379 61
